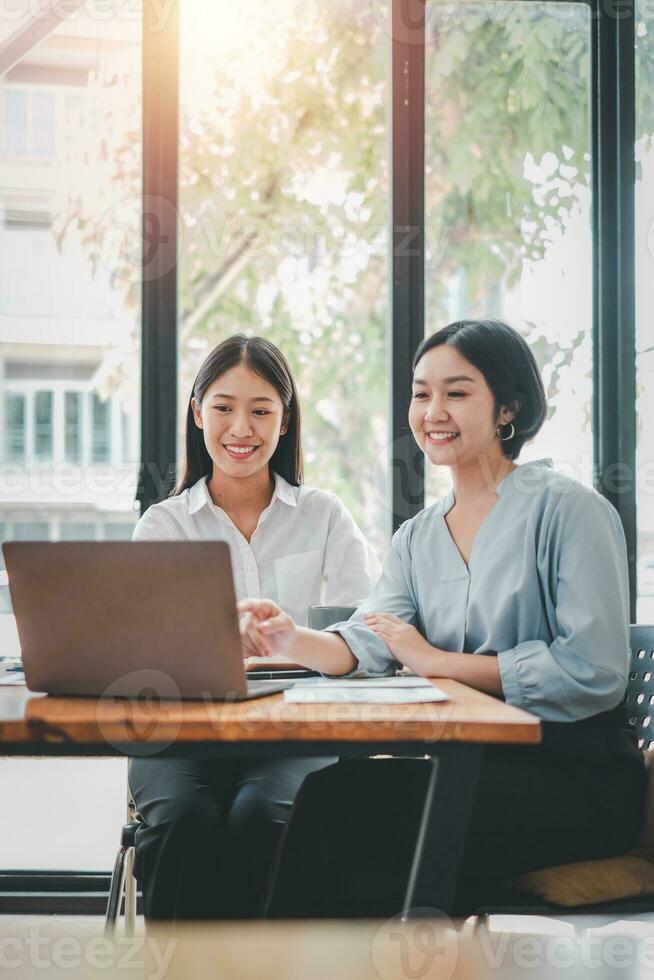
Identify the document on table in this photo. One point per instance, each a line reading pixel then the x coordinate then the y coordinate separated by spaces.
pixel 11 673
pixel 366 690
pixel 12 679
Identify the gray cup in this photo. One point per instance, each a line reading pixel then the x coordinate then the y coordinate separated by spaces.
pixel 319 617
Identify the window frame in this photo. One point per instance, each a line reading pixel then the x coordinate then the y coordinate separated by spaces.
pixel 612 109
pixel 613 130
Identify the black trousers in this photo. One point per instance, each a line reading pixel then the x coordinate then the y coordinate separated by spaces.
pixel 211 828
pixel 348 846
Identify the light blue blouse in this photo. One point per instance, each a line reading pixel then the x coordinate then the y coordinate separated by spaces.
pixel 546 589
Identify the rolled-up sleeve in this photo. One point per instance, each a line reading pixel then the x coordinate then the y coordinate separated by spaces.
pixel 584 670
pixel 392 594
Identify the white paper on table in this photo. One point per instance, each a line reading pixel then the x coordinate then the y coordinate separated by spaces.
pixel 361 683
pixel 15 678
pixel 330 693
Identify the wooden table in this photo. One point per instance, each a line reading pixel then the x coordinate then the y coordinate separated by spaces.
pixel 452 734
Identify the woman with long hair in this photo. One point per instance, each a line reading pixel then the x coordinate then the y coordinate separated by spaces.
pixel 210 826
pixel 516 584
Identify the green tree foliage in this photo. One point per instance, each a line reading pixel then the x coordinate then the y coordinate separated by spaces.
pixel 285 194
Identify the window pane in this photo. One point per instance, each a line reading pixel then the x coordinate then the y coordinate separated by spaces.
pixel 43 105
pixel 14 122
pixel 15 427
pixel 125 436
pixel 30 531
pixel 43 421
pixel 118 532
pixel 645 309
pixel 77 531
pixel 73 426
pixel 70 185
pixel 101 433
pixel 508 196
pixel 284 201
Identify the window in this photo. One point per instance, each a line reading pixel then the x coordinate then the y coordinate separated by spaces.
pixel 77 531
pixel 43 421
pixel 29 121
pixel 14 427
pixel 43 104
pixel 59 425
pixel 508 195
pixel 118 532
pixel 284 206
pixel 30 531
pixel 69 334
pixel 14 114
pixel 645 309
pixel 125 436
pixel 73 426
pixel 101 434
pixel 284 191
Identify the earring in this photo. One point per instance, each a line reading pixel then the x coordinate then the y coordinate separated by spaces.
pixel 506 438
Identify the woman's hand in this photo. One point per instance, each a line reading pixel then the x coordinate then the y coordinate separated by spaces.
pixel 412 650
pixel 265 629
pixel 404 641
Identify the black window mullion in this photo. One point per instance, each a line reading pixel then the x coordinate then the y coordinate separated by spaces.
pixel 614 358
pixel 159 261
pixel 408 259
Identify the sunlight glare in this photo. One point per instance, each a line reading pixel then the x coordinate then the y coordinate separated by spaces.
pixel 244 41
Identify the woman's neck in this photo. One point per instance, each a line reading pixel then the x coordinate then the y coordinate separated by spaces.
pixel 241 496
pixel 477 480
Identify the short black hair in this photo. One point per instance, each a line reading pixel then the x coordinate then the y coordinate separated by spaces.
pixel 266 360
pixel 509 367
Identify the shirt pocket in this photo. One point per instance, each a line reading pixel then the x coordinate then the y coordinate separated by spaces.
pixel 299 579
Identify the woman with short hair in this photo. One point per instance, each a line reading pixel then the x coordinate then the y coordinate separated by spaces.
pixel 515 584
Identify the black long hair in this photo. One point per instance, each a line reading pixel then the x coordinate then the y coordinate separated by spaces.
pixel 509 367
pixel 266 360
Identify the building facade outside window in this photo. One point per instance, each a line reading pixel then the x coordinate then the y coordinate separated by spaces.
pixel 69 375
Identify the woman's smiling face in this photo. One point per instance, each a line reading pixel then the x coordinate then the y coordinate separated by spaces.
pixel 452 412
pixel 242 417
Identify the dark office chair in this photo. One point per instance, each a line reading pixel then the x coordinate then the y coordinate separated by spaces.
pixel 527 897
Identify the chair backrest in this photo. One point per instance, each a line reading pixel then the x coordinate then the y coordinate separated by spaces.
pixel 639 698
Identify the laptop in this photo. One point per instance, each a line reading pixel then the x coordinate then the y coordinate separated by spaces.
pixel 129 619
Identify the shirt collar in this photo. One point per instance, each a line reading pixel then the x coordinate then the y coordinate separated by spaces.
pixel 198 495
pixel 447 502
pixel 504 484
pixel 284 491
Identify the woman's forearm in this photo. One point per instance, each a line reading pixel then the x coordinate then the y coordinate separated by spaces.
pixel 480 671
pixel 326 652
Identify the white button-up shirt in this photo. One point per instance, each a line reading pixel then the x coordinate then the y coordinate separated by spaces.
pixel 306 549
